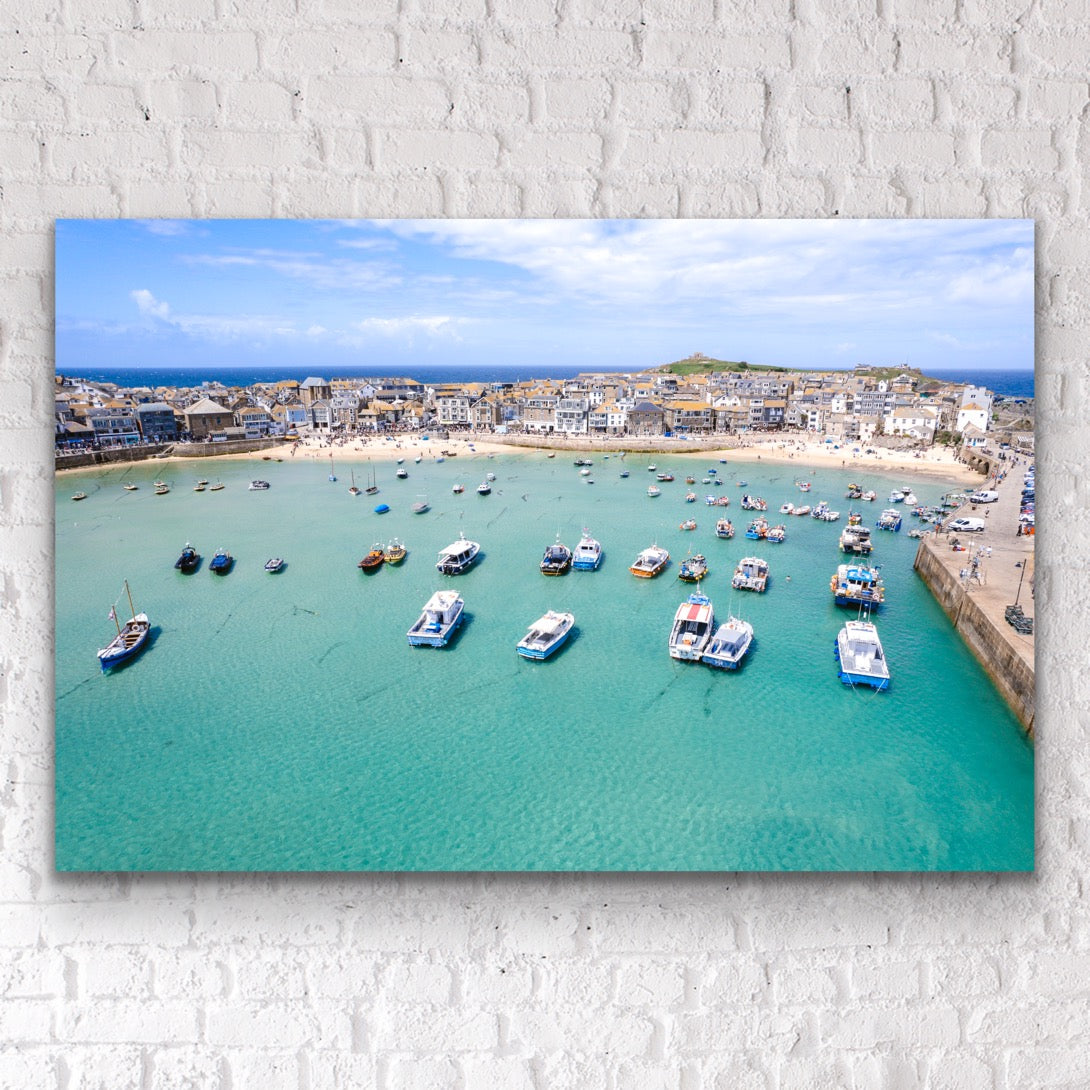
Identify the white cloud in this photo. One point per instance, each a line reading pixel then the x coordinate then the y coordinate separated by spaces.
pixel 149 305
pixel 395 327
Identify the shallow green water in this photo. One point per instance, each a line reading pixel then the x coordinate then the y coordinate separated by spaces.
pixel 282 722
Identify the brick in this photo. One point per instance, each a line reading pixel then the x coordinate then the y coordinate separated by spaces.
pixel 379 99
pixel 276 1025
pixel 304 52
pixel 424 1030
pixel 694 150
pixel 561 151
pixel 841 146
pixel 128 1022
pixel 919 148
pixel 586 99
pixel 1018 149
pixel 179 51
pixel 112 972
pixel 720 52
pixel 180 99
pixel 436 150
pixel 111 922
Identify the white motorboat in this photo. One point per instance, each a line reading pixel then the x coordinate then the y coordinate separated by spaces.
pixel 258 486
pixel 728 646
pixel 856 539
pixel 458 557
pixel 588 553
pixel 442 614
pixel 650 562
pixel 694 624
pixel 546 635
pixel 859 653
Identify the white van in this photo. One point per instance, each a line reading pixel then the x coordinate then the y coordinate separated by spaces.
pixel 966 526
pixel 984 497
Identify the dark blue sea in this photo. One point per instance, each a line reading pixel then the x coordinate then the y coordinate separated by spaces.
pixel 1007 383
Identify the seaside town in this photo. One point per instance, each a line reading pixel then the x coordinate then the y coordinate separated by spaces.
pixel 885 410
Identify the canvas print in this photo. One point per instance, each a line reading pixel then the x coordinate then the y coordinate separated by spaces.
pixel 544 545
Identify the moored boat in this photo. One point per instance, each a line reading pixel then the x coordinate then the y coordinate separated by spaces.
pixel 693 568
pixel 753 503
pixel 161 489
pixel 130 639
pixel 751 574
pixel 546 635
pixel 395 552
pixel 588 553
pixel 650 562
pixel 653 491
pixel 258 486
pixel 442 614
pixel 274 564
pixel 694 624
pixel 402 473
pixel 859 652
pixel 557 558
pixel 889 519
pixel 857 584
pixel 130 487
pixel 729 644
pixel 724 528
pixel 484 488
pixel 421 506
pixel 79 495
pixel 188 560
pixel 458 489
pixel 757 529
pixel 374 558
pixel 856 539
pixel 458 557
pixel 776 534
pixel 221 562
pixel 688 524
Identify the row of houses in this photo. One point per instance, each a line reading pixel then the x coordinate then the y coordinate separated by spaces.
pixel 845 406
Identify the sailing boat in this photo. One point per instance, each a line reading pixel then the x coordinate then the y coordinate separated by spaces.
pixel 354 490
pixel 332 475
pixel 372 488
pixel 130 637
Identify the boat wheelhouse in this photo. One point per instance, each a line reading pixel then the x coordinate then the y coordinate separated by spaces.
pixel 546 635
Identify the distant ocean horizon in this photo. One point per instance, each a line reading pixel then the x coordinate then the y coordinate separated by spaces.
pixel 1007 383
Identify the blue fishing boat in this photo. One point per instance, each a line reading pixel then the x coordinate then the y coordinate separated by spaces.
pixel 189 559
pixel 221 562
pixel 588 553
pixel 857 585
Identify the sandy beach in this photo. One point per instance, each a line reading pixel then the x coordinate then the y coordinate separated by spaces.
pixel 938 463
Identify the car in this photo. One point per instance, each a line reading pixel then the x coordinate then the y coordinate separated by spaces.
pixel 966 526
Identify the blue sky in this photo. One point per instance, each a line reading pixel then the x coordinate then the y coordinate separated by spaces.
pixel 384 295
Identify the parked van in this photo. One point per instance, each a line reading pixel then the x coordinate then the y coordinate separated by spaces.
pixel 984 497
pixel 966 526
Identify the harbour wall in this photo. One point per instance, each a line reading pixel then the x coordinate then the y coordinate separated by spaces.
pixel 988 639
pixel 144 453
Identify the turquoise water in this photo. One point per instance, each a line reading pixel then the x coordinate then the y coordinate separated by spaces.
pixel 282 722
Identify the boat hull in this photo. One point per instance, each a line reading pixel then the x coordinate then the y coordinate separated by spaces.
pixel 127 645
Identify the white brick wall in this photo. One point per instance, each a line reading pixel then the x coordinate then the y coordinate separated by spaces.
pixel 543 108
